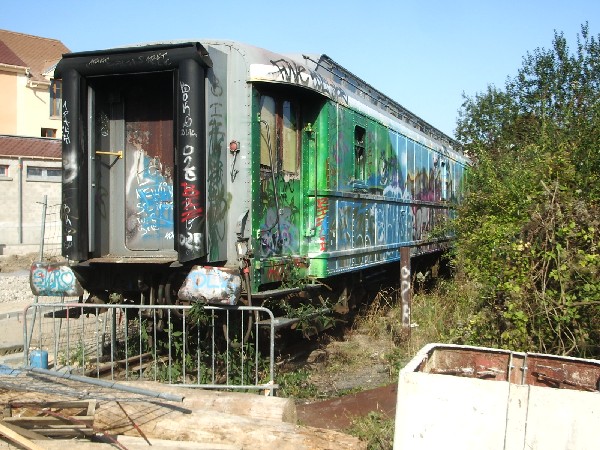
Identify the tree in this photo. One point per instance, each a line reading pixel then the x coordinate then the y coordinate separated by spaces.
pixel 527 232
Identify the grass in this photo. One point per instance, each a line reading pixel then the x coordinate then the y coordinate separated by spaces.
pixel 296 384
pixel 376 429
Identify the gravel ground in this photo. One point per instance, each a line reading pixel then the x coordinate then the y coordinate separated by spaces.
pixel 14 287
pixel 14 278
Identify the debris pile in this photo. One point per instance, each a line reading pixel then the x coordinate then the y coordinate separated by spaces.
pixel 43 411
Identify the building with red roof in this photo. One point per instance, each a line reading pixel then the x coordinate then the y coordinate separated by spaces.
pixel 30 131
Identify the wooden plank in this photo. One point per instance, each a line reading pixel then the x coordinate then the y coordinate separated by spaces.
pixel 257 407
pixel 135 443
pixel 66 432
pixel 45 421
pixel 205 424
pixel 36 420
pixel 91 409
pixel 18 439
pixel 72 426
pixel 78 404
pixel 29 434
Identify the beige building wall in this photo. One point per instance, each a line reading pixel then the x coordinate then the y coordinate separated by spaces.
pixel 34 110
pixel 8 93
pixel 25 227
pixel 25 107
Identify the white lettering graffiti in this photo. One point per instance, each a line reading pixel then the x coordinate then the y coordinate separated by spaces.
pixel 158 57
pixel 101 60
pixel 404 295
pixel 186 124
pixel 189 169
pixel 191 241
pixel 66 124
pixel 155 59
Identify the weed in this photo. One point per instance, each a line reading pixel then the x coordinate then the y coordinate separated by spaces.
pixel 312 319
pixel 382 317
pixel 296 384
pixel 376 429
pixel 74 357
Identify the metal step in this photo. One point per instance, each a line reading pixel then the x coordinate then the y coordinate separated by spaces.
pixel 278 322
pixel 280 292
pixel 281 322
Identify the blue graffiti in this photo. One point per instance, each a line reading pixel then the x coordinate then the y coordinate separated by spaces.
pixel 212 285
pixel 54 280
pixel 155 207
pixel 154 194
pixel 278 235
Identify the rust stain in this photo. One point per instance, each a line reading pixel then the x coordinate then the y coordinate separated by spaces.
pixel 338 413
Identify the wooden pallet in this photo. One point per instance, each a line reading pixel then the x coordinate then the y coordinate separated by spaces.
pixel 67 419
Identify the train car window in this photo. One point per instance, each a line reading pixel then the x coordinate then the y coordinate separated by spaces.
pixel 402 161
pixel 290 137
pixel 268 150
pixel 280 140
pixel 359 153
pixel 422 157
pixel 411 176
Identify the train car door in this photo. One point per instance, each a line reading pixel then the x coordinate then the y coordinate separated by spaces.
pixel 132 148
pixel 280 202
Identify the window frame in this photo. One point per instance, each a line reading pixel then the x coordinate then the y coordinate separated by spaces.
pixel 360 153
pixel 55 97
pixel 282 161
pixel 44 176
pixel 48 132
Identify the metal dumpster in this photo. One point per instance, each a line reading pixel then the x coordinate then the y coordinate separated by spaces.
pixel 465 397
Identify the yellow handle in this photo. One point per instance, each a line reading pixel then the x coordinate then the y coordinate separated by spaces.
pixel 118 154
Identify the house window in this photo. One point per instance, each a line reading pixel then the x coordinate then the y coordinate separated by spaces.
pixel 3 170
pixel 360 155
pixel 55 97
pixel 49 132
pixel 51 174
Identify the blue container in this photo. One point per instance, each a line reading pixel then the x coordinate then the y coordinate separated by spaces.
pixel 38 358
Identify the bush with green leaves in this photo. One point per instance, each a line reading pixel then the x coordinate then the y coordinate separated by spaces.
pixel 527 232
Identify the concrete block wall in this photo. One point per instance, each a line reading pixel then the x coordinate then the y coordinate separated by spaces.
pixel 20 191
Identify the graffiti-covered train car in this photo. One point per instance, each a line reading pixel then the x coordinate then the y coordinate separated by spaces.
pixel 213 171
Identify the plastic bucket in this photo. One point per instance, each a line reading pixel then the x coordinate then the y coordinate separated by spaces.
pixel 38 358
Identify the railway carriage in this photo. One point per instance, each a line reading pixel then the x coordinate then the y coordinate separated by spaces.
pixel 215 171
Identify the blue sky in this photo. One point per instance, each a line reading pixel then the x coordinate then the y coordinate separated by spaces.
pixel 422 53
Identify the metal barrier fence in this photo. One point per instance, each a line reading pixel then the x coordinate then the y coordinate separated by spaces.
pixel 50 230
pixel 215 347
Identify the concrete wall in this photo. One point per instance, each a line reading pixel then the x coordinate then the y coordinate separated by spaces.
pixel 442 411
pixel 16 228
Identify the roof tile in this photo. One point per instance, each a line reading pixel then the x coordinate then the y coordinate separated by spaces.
pixel 35 52
pixel 16 146
pixel 7 56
